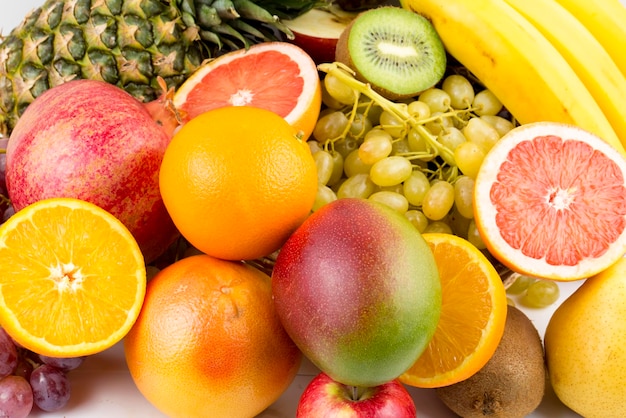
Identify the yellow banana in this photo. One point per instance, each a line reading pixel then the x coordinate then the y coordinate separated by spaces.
pixel 584 54
pixel 516 62
pixel 606 20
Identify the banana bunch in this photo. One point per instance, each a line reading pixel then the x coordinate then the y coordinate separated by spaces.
pixel 546 60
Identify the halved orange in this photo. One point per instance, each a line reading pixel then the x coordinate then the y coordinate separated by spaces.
pixel 73 278
pixel 276 76
pixel 550 202
pixel 473 314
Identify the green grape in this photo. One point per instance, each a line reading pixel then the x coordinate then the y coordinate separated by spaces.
pixel 481 133
pixel 376 146
pixel 391 171
pixel 438 227
pixel 415 187
pixel 339 91
pixel 328 101
pixel 396 188
pixel 458 223
pixel 391 124
pixel 417 218
pixel 400 146
pixel 324 196
pixel 358 185
pixel 486 103
pixel 438 200
pixel 451 137
pixel 394 200
pixel 416 142
pixel 330 126
pixel 464 196
pixel 460 90
pixel 353 164
pixel 314 146
pixel 325 164
pixel 360 126
pixel 520 284
pixel 439 124
pixel 337 172
pixel 345 146
pixel 419 110
pixel 436 99
pixel 473 236
pixel 501 124
pixel 469 157
pixel 373 114
pixel 541 294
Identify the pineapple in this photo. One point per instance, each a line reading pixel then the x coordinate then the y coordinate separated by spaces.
pixel 129 43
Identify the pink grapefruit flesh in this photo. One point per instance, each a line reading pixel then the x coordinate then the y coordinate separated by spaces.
pixel 550 201
pixel 276 76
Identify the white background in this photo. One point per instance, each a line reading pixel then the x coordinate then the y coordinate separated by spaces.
pixel 103 388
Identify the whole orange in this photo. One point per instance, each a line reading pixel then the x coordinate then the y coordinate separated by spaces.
pixel 208 342
pixel 237 181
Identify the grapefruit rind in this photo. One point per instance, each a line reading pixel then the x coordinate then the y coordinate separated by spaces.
pixel 241 92
pixel 27 274
pixel 598 224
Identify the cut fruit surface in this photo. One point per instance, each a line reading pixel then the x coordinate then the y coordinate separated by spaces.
pixel 473 314
pixel 395 50
pixel 318 30
pixel 73 278
pixel 276 76
pixel 550 202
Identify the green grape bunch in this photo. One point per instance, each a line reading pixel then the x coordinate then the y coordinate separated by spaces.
pixel 419 156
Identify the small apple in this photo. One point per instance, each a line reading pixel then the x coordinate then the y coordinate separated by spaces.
pixel 318 30
pixel 325 397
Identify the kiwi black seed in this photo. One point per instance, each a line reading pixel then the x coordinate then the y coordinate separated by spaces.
pixel 511 384
pixel 396 50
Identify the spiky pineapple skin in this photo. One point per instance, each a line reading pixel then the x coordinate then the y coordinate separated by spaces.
pixel 128 43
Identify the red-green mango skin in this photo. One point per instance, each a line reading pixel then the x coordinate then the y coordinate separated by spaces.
pixel 90 140
pixel 358 290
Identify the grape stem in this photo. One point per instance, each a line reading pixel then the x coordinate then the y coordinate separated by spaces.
pixel 346 75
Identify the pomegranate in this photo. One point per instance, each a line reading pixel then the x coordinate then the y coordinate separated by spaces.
pixel 93 141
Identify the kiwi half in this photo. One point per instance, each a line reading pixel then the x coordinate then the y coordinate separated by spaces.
pixel 396 50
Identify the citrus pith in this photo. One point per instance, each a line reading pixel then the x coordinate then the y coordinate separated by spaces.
pixel 73 278
pixel 276 76
pixel 473 315
pixel 550 202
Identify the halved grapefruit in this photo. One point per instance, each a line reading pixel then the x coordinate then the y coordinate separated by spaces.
pixel 276 76
pixel 550 202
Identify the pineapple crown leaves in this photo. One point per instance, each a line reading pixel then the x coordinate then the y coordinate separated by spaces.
pixel 232 24
pixel 129 43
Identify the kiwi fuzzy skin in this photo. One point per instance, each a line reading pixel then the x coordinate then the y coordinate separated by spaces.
pixel 511 384
pixel 342 55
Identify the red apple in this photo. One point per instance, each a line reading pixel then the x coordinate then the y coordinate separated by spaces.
pixel 318 30
pixel 325 397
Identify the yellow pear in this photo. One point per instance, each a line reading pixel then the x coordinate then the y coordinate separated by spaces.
pixel 585 344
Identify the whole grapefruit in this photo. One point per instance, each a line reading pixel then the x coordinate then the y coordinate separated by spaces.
pixel 208 342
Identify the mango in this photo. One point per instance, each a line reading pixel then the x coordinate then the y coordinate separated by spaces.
pixel 357 289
